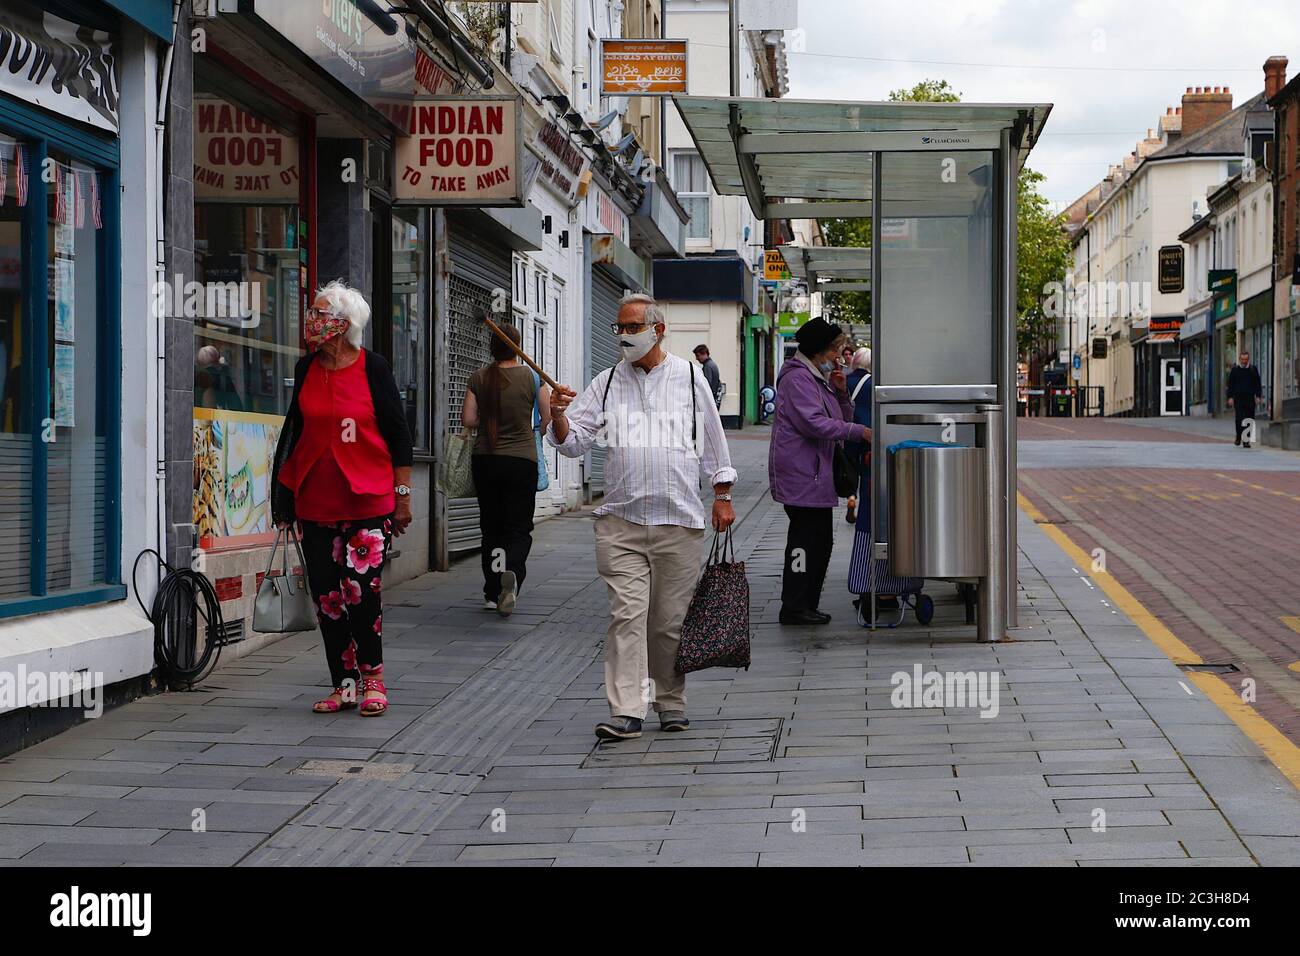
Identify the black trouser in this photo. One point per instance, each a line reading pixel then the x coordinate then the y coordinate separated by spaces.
pixel 507 494
pixel 808 545
pixel 1244 406
pixel 345 562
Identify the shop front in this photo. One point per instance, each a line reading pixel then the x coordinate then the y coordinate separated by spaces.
pixel 78 373
pixel 302 118
pixel 1257 339
pixel 1159 374
pixel 1194 341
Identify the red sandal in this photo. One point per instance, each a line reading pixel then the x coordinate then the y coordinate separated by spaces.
pixel 329 705
pixel 377 705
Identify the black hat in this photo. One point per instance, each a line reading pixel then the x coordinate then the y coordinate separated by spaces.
pixel 816 335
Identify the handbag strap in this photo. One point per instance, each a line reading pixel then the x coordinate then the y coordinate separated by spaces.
pixel 722 548
pixel 857 388
pixel 270 563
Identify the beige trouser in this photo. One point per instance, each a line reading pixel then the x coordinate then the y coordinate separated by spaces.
pixel 651 572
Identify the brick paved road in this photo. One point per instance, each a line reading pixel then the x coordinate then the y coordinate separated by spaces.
pixel 487 756
pixel 1203 533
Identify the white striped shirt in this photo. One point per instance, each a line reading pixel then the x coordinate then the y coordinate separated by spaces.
pixel 652 472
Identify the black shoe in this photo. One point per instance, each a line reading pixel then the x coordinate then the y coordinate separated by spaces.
pixel 826 618
pixel 1245 444
pixel 802 618
pixel 672 721
pixel 619 728
pixel 1238 441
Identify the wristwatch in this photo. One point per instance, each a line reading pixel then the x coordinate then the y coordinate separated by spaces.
pixel 725 496
pixel 403 490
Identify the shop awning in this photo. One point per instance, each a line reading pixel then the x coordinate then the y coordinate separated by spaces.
pixel 1155 338
pixel 775 150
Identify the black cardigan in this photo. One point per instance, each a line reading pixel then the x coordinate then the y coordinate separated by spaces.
pixel 390 415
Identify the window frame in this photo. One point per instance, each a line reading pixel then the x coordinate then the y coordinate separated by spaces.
pixel 41 133
pixel 706 194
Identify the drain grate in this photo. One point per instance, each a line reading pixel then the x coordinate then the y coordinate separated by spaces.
pixel 708 741
pixel 1211 668
pixel 351 770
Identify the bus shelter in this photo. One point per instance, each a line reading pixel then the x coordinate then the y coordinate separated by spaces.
pixel 939 183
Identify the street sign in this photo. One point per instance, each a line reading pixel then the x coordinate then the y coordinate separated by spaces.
pixel 642 67
pixel 1078 361
pixel 774 267
pixel 461 151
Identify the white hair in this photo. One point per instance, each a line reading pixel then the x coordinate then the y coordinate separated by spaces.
pixel 862 359
pixel 653 315
pixel 350 304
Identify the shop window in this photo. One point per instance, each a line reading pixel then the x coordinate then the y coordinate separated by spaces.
pixel 58 429
pixel 410 351
pixel 250 263
pixel 691 183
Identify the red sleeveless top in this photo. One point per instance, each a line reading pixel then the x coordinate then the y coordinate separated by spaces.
pixel 340 468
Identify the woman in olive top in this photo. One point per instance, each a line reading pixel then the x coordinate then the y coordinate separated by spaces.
pixel 500 401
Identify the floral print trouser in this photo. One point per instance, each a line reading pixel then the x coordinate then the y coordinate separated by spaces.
pixel 345 561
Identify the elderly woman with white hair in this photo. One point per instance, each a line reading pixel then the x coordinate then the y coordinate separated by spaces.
pixel 343 471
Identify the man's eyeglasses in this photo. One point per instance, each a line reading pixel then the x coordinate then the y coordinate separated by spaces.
pixel 628 328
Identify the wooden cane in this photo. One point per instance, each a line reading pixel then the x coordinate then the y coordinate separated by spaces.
pixel 496 330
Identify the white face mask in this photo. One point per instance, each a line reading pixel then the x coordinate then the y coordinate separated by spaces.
pixel 636 347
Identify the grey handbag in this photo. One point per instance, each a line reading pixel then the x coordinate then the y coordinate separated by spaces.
pixel 283 602
pixel 455 474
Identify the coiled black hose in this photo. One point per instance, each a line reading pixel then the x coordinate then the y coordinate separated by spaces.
pixel 184 596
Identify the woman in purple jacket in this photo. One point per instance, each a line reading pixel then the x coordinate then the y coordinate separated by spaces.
pixel 813 413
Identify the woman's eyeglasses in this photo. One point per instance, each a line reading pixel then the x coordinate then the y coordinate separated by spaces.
pixel 316 313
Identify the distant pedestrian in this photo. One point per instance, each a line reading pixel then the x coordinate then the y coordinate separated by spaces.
pixel 1244 389
pixel 499 402
pixel 662 434
pixel 813 414
pixel 343 472
pixel 711 373
pixel 858 382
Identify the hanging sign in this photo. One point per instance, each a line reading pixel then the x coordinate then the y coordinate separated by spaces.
pixel 562 163
pixel 774 267
pixel 64 67
pixel 642 67
pixel 1223 285
pixel 240 156
pixel 461 151
pixel 1171 269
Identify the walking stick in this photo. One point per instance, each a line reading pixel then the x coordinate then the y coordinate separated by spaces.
pixel 496 330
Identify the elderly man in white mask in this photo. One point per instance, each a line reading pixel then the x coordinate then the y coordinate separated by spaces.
pixel 656 414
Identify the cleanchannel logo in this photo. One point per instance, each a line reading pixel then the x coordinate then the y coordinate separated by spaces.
pixel 76 909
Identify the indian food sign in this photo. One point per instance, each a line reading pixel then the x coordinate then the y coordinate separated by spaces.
pixel 642 67
pixel 461 151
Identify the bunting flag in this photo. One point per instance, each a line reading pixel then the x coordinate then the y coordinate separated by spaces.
pixel 78 202
pixel 4 177
pixel 20 175
pixel 60 202
pixel 96 213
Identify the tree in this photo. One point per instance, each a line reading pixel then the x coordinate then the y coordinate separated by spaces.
pixel 1043 257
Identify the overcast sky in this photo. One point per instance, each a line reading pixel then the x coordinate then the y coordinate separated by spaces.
pixel 1110 67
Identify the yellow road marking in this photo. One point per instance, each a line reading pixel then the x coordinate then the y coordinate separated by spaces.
pixel 1284 754
pixel 1294 667
pixel 1276 746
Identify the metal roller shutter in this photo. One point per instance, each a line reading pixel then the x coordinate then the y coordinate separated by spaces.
pixel 477 268
pixel 606 293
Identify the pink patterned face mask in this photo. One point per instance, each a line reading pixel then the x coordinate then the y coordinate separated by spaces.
pixel 322 326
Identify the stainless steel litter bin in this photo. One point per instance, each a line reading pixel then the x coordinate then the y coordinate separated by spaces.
pixel 937 515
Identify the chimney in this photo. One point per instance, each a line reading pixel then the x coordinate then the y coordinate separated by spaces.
pixel 1203 106
pixel 1274 75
